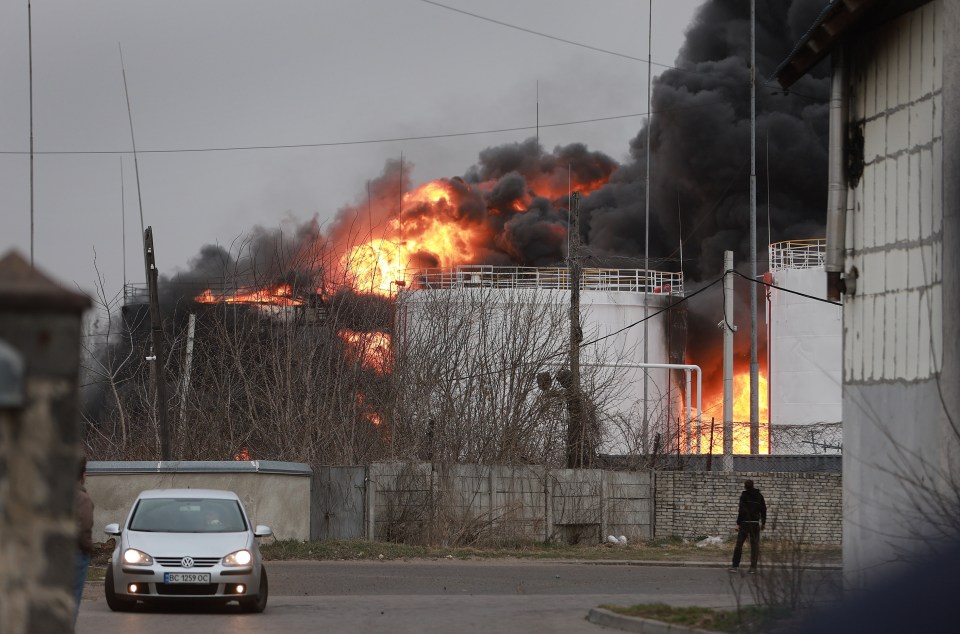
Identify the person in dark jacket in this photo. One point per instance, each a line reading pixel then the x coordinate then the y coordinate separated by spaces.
pixel 751 519
pixel 83 509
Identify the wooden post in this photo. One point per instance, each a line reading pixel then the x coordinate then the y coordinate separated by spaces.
pixel 576 429
pixel 159 356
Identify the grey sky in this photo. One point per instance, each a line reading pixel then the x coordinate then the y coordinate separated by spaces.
pixel 217 73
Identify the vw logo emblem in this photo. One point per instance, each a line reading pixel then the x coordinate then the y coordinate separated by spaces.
pixel 187 562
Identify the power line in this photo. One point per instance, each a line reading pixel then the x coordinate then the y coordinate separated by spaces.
pixel 368 141
pixel 785 290
pixel 551 37
pixel 769 83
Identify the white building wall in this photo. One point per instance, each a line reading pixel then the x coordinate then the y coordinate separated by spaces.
pixel 893 319
pixel 894 233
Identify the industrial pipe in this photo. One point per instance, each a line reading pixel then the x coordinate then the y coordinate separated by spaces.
pixel 687 367
pixel 836 181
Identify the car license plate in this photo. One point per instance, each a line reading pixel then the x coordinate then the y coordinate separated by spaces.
pixel 186 577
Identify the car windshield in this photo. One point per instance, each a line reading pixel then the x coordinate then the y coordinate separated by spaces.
pixel 187 515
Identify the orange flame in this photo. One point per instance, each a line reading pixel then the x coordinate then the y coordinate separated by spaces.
pixel 373 349
pixel 281 295
pixel 369 413
pixel 243 455
pixel 713 408
pixel 428 230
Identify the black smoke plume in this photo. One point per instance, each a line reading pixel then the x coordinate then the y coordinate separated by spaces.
pixel 700 148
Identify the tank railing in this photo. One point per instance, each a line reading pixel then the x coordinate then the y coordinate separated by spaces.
pixel 556 278
pixel 797 254
pixel 135 294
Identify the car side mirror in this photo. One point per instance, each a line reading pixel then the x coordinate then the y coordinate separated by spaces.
pixel 112 529
pixel 262 531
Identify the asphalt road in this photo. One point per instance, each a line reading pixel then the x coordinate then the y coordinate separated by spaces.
pixel 431 596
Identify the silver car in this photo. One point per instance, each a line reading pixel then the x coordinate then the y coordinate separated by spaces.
pixel 186 544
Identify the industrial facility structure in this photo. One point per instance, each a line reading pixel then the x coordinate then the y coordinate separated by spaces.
pixel 614 304
pixel 805 352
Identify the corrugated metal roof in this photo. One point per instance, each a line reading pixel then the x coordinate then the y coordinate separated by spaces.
pixel 837 20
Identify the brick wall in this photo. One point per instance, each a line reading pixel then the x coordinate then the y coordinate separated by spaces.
pixel 698 504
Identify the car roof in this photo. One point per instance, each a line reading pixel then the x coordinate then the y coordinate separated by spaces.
pixel 189 494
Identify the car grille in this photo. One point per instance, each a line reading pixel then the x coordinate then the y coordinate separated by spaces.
pixel 200 589
pixel 198 562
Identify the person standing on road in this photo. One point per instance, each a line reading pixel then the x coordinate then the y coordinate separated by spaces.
pixel 83 510
pixel 751 519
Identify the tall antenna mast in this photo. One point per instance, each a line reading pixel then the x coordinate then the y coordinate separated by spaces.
pixel 754 365
pixel 769 228
pixel 133 141
pixel 569 206
pixel 538 113
pixel 680 225
pixel 123 225
pixel 400 200
pixel 645 423
pixel 30 64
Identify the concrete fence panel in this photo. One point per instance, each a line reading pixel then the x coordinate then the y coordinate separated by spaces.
pixel 337 507
pixel 274 493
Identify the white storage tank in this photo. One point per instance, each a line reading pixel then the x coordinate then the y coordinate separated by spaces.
pixel 805 353
pixel 612 310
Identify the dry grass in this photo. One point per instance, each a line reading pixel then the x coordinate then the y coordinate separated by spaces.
pixel 652 550
pixel 750 619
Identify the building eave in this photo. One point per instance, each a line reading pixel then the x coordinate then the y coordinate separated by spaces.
pixel 837 18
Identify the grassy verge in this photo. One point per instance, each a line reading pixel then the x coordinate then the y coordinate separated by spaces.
pixel 96 573
pixel 750 619
pixel 652 550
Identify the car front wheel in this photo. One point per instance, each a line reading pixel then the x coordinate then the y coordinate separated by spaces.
pixel 257 603
pixel 114 601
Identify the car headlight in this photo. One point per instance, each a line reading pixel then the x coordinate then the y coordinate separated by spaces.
pixel 135 557
pixel 238 558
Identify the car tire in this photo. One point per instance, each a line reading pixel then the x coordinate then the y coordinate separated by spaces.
pixel 114 601
pixel 258 603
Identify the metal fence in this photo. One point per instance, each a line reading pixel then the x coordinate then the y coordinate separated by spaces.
pixel 797 254
pixel 518 277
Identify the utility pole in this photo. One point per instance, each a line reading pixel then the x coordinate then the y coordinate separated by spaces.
pixel 30 71
pixel 645 422
pixel 188 362
pixel 576 432
pixel 754 365
pixel 158 355
pixel 728 330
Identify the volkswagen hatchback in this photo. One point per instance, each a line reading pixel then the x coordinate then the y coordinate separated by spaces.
pixel 186 544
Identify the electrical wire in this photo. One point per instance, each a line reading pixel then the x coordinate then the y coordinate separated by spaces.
pixel 785 290
pixel 369 141
pixel 551 37
pixel 769 83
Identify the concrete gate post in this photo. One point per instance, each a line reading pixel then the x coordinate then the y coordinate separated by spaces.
pixel 39 448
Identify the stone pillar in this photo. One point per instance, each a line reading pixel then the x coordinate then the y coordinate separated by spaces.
pixel 39 448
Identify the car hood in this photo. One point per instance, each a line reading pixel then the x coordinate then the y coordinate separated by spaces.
pixel 192 544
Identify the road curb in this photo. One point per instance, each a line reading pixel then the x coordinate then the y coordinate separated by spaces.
pixel 599 616
pixel 689 564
